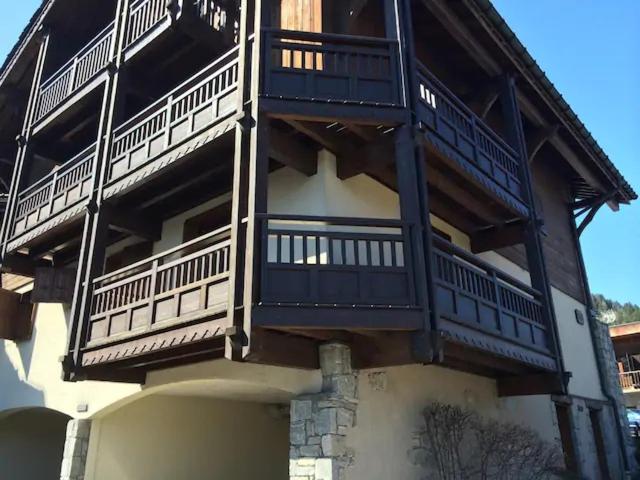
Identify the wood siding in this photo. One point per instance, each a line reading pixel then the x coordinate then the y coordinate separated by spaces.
pixel 553 195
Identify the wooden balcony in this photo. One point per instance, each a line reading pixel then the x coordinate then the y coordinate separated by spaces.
pixel 55 199
pixel 147 20
pixel 467 146
pixel 484 308
pixel 630 381
pixel 171 300
pixel 319 75
pixel 191 115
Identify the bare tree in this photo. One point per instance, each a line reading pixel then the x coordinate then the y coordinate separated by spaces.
pixel 458 444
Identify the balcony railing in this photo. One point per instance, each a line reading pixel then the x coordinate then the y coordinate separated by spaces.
pixel 328 67
pixel 54 193
pixel 630 380
pixel 201 102
pixel 86 65
pixel 181 285
pixel 475 294
pixel 336 261
pixel 472 142
pixel 144 15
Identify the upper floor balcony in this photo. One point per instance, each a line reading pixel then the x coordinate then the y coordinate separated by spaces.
pixel 349 276
pixel 630 381
pixel 147 21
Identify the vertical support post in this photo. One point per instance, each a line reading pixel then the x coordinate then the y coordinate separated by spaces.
pixel 97 216
pixel 412 180
pixel 533 238
pixel 250 177
pixel 23 142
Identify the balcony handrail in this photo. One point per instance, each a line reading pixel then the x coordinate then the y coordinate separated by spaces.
pixel 327 37
pixel 220 232
pixel 337 221
pixel 629 379
pixel 423 70
pixel 143 115
pixel 510 281
pixel 44 182
pixel 80 54
pixel 137 30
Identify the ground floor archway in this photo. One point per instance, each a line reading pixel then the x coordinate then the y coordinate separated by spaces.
pixel 187 433
pixel 32 443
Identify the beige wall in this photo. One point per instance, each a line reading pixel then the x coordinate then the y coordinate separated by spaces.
pixel 31 372
pixel 390 407
pixel 31 444
pixel 173 437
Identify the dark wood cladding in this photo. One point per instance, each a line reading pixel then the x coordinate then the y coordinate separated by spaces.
pixel 559 245
pixel 329 67
pixel 474 294
pixel 180 286
pixel 16 312
pixel 53 195
pixel 458 133
pixel 340 262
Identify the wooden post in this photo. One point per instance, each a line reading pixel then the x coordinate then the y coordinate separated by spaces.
pixel 412 181
pixel 23 142
pixel 533 238
pixel 97 216
pixel 249 183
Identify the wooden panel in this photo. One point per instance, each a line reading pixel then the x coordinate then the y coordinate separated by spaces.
pixel 53 285
pixel 302 15
pixel 563 266
pixel 336 265
pixel 473 293
pixel 178 286
pixel 15 316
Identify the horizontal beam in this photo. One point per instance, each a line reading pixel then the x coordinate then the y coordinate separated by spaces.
pixel 497 237
pixel 289 150
pixel 535 384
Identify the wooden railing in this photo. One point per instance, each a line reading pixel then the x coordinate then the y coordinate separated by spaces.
pixel 630 380
pixel 76 73
pixel 454 123
pixel 342 261
pixel 55 192
pixel 204 100
pixel 475 293
pixel 144 15
pixel 183 284
pixel 338 68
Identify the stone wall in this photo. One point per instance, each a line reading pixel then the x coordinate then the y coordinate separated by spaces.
pixel 76 447
pixel 320 423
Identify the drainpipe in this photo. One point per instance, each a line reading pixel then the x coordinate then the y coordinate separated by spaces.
pixel 600 367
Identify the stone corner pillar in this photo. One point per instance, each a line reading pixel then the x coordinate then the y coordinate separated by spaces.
pixel 76 446
pixel 320 423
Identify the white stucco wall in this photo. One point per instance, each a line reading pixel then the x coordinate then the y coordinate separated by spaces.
pixel 173 437
pixel 31 372
pixel 390 408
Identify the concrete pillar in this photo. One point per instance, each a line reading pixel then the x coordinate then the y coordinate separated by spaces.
pixel 76 445
pixel 320 423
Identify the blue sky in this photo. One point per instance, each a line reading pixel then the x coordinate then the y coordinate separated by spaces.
pixel 590 49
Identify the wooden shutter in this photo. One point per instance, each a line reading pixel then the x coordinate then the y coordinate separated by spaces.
pixel 16 316
pixel 53 285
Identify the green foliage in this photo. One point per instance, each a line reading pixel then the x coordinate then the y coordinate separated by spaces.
pixel 615 313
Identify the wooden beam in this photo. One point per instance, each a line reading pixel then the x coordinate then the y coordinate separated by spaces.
pixel 280 349
pixel 134 224
pixel 321 134
pixel 483 98
pixel 498 236
pixel 535 141
pixel 289 150
pixel 23 265
pixel 536 384
pixel 372 156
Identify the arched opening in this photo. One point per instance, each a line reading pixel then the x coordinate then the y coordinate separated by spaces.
pixel 195 430
pixel 32 443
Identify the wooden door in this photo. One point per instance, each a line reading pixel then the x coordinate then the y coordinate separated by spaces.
pixel 304 16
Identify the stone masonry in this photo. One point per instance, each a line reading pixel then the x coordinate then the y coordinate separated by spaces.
pixel 76 446
pixel 321 422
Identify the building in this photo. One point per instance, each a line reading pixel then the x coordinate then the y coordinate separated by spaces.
pixel 626 343
pixel 264 236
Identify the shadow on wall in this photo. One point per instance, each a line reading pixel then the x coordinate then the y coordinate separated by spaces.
pixel 31 444
pixel 15 362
